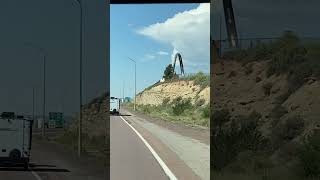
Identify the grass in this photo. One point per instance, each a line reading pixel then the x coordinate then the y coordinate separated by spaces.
pixel 287 55
pixel 94 146
pixel 200 79
pixel 178 110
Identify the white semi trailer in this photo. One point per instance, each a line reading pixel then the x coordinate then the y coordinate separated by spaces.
pixel 15 139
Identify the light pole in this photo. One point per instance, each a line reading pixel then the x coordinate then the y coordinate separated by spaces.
pixel 80 76
pixel 44 85
pixel 33 104
pixel 135 82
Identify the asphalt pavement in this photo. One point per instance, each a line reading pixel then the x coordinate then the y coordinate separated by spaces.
pixel 130 159
pixel 51 161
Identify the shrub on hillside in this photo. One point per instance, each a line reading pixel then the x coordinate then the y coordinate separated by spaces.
pixel 267 88
pixel 232 74
pixel 284 132
pixel 238 55
pixel 309 156
pixel 179 105
pixel 200 79
pixel 145 108
pixel 165 101
pixel 200 102
pixel 220 117
pixel 283 97
pixel 205 113
pixel 276 113
pixel 243 135
pixel 289 53
pixel 298 74
pixel 248 69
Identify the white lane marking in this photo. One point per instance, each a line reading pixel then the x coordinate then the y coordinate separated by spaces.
pixel 155 155
pixel 36 175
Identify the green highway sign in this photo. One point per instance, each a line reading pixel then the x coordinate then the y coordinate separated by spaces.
pixel 56 120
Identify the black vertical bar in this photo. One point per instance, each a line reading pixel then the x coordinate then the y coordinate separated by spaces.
pixel 230 23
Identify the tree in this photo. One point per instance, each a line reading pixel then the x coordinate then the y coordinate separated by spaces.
pixel 168 72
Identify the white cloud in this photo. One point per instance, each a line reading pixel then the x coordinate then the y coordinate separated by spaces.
pixel 162 53
pixel 149 56
pixel 187 32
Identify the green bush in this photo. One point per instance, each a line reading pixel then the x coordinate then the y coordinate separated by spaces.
pixel 283 97
pixel 179 105
pixel 206 111
pixel 220 117
pixel 243 135
pixel 145 108
pixel 165 101
pixel 200 79
pixel 276 113
pixel 285 132
pixel 267 88
pixel 200 102
pixel 248 69
pixel 289 53
pixel 232 74
pixel 298 74
pixel 309 156
pixel 238 55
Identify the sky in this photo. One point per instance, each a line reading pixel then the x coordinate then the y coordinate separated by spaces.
pixel 53 26
pixel 269 18
pixel 151 35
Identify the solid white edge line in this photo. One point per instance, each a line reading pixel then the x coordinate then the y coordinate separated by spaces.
pixel 155 155
pixel 36 175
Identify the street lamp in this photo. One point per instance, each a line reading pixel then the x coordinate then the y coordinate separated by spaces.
pixel 44 53
pixel 80 76
pixel 135 82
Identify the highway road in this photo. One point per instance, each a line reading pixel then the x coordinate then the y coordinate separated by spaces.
pixel 50 161
pixel 130 158
pixel 138 150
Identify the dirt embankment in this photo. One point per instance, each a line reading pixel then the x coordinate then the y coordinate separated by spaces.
pixel 95 117
pixel 170 90
pixel 245 88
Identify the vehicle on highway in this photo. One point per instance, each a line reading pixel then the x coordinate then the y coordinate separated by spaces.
pixel 114 105
pixel 15 139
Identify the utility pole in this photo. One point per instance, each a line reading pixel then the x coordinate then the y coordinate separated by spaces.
pixel 80 79
pixel 135 83
pixel 44 53
pixel 33 104
pixel 220 46
pixel 44 97
pixel 123 91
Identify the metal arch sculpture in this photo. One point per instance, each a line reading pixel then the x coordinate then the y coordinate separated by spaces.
pixel 178 55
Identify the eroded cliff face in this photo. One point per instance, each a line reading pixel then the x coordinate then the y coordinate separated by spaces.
pixel 245 88
pixel 183 88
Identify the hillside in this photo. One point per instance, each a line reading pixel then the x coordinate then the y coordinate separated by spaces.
pixel 265 112
pixel 242 91
pixel 184 100
pixel 180 88
pixel 95 127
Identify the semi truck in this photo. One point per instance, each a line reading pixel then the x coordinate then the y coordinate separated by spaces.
pixel 114 105
pixel 15 139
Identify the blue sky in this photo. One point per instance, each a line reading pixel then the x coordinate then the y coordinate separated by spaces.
pixel 151 34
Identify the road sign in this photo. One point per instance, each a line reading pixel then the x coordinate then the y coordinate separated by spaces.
pixel 56 119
